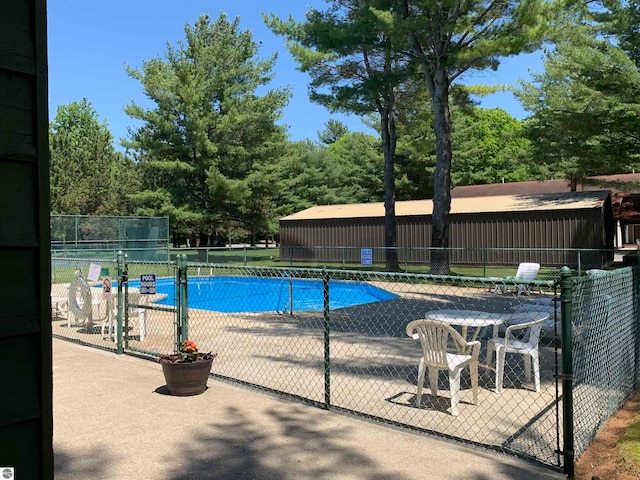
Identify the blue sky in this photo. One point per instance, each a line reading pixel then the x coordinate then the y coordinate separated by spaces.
pixel 91 42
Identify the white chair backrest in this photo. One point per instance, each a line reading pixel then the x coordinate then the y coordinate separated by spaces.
pixel 531 330
pixel 527 271
pixel 135 297
pixel 434 337
pixel 534 333
pixel 595 271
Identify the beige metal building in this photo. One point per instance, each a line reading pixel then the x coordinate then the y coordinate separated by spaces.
pixel 569 220
pixel 625 196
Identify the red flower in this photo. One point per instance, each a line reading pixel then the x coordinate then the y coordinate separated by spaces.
pixel 189 346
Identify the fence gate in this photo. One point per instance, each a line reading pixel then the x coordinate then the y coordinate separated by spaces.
pixel 154 306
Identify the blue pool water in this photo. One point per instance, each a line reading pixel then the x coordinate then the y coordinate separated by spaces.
pixel 249 294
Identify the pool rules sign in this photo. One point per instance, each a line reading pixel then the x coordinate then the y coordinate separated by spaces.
pixel 148 284
pixel 366 257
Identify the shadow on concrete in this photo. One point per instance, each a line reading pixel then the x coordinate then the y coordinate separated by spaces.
pixel 303 449
pixel 92 464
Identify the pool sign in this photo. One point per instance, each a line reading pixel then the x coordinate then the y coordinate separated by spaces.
pixel 106 288
pixel 94 272
pixel 148 284
pixel 366 256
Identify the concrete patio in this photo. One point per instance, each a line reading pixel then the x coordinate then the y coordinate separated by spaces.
pixel 114 419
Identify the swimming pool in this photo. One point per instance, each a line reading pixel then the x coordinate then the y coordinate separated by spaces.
pixel 250 294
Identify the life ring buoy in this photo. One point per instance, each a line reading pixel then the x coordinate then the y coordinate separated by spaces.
pixel 80 301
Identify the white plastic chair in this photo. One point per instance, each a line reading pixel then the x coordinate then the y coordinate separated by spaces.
pixel 526 271
pixel 435 339
pixel 525 345
pixel 109 323
pixel 595 271
pixel 60 300
pixel 535 311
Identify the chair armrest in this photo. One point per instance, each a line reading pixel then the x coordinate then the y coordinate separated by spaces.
pixel 475 348
pixel 521 326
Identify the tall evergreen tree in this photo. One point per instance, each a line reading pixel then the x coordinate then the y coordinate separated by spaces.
pixel 333 131
pixel 209 130
pixel 448 38
pixel 585 105
pixel 87 175
pixel 360 55
pixel 355 67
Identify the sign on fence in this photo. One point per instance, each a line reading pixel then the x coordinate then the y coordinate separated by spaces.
pixel 148 284
pixel 106 288
pixel 366 256
pixel 94 272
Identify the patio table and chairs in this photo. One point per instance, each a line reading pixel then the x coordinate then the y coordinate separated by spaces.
pixel 467 345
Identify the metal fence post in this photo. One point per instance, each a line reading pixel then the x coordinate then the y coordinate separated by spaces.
pixel 566 306
pixel 125 305
pixel 406 258
pixel 290 296
pixel 184 299
pixel 484 262
pixel 121 274
pixel 579 264
pixel 327 350
pixel 178 322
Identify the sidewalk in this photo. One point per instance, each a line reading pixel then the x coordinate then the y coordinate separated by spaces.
pixel 112 420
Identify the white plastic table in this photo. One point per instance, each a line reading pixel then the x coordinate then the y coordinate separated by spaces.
pixel 469 318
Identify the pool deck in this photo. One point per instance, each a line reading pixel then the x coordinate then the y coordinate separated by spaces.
pixel 114 419
pixel 373 363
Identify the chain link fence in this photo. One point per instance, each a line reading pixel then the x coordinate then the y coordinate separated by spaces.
pixel 82 311
pixel 338 339
pixel 481 262
pixel 606 343
pixel 99 237
pixel 478 262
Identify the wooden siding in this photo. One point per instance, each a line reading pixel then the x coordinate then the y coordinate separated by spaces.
pixel 26 414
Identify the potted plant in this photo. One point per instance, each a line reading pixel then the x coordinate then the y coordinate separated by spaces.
pixel 187 371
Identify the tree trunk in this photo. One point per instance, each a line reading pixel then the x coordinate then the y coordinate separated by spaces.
pixel 388 134
pixel 442 175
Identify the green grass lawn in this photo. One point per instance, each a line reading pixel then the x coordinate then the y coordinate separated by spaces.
pixel 270 257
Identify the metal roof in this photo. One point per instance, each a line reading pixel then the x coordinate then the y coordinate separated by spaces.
pixel 490 204
pixel 623 182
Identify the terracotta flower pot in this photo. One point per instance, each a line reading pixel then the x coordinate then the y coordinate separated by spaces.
pixel 189 378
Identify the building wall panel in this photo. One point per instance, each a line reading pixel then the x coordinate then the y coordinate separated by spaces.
pixel 470 235
pixel 17 117
pixel 18 204
pixel 17 42
pixel 26 413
